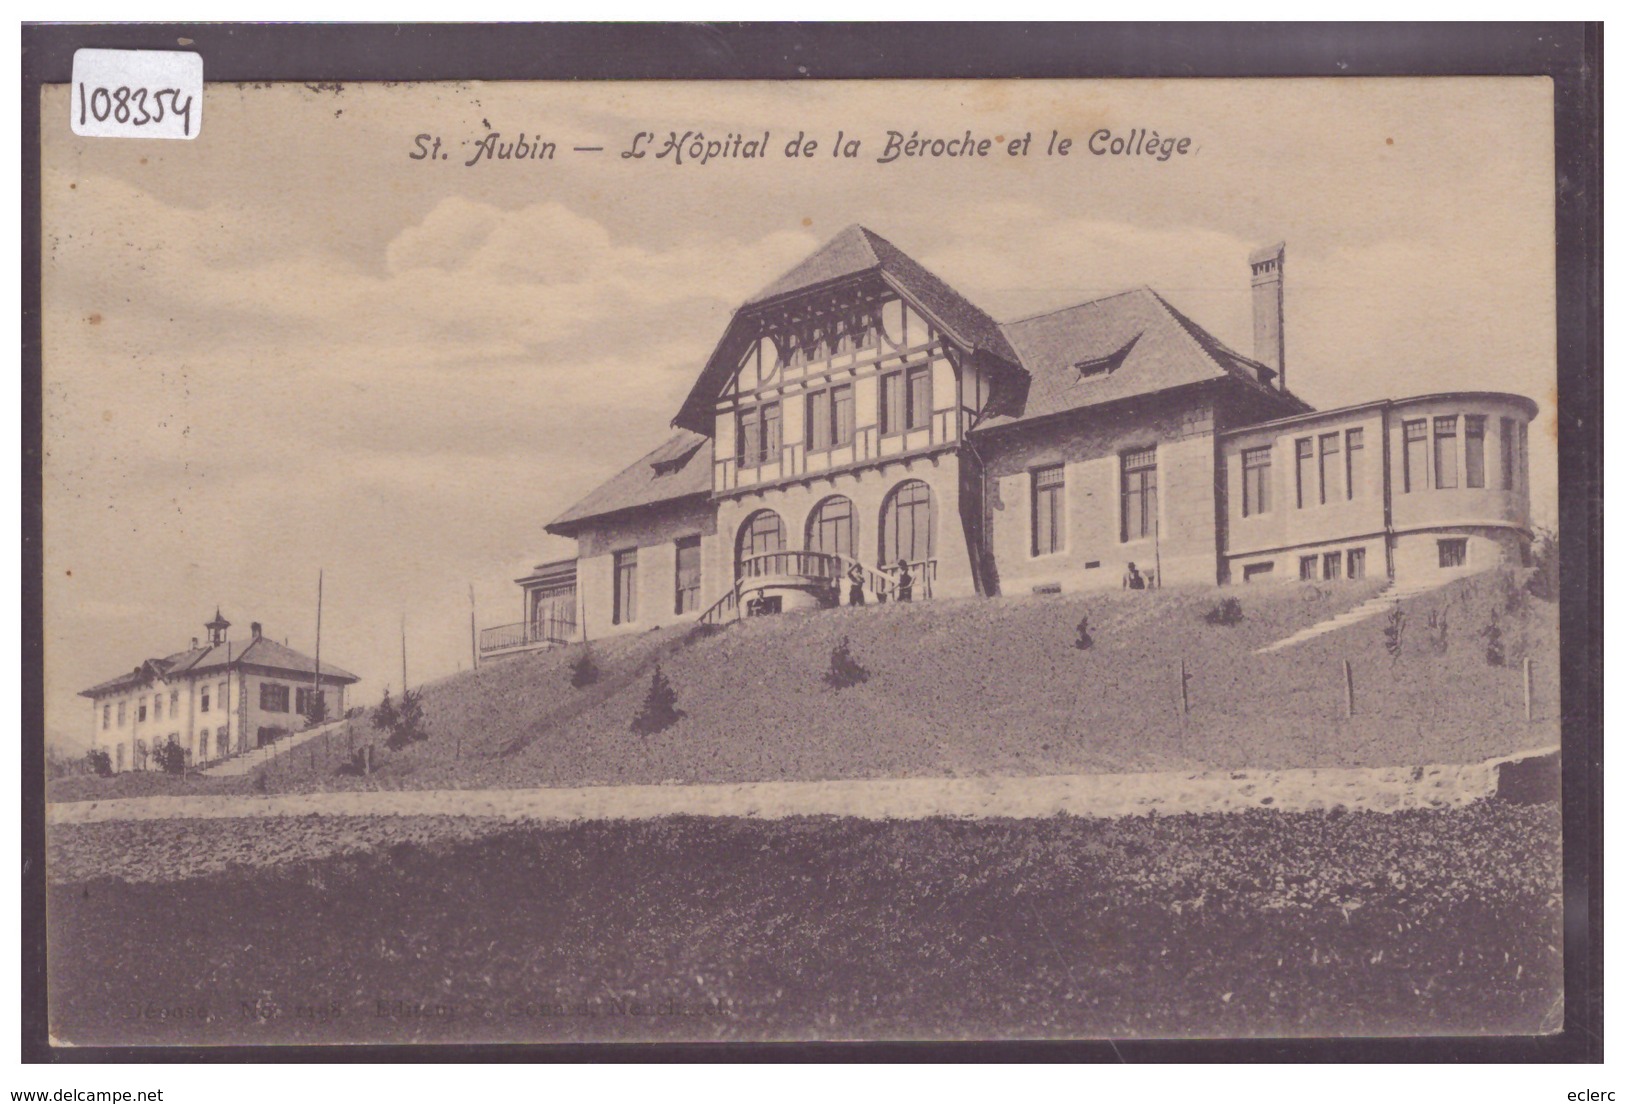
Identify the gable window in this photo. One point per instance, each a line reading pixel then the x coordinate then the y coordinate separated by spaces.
pixel 1444 452
pixel 1356 563
pixel 1305 449
pixel 761 435
pixel 891 403
pixel 1139 494
pixel 1049 510
pixel 1416 455
pixel 919 396
pixel 1453 552
pixel 1474 453
pixel 688 574
pixel 1255 481
pixel 1329 465
pixel 1354 459
pixel 840 403
pixel 829 417
pixel 818 421
pixel 626 586
pixel 273 697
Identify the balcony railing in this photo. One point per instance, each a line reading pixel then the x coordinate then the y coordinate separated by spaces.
pixel 526 634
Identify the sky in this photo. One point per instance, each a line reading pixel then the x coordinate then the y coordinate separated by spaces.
pixel 288 347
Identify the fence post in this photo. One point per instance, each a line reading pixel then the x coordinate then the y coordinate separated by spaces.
pixel 1528 689
pixel 1184 693
pixel 1348 687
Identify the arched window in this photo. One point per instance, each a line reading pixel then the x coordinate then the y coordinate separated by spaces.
pixel 833 527
pixel 762 532
pixel 906 524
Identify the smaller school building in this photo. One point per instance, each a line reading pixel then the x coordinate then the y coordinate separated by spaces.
pixel 215 700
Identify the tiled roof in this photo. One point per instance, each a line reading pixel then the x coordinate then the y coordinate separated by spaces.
pixel 1132 344
pixel 259 652
pixel 679 468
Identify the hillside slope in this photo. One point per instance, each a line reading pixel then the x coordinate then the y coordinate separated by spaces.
pixel 996 687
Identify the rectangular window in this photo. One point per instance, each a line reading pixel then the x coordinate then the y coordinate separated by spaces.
pixel 1306 568
pixel 1255 481
pixel 1475 450
pixel 1356 563
pixel 818 421
pixel 1305 448
pixel 174 702
pixel 1354 459
pixel 626 586
pixel 1523 453
pixel 772 433
pixel 1329 465
pixel 273 697
pixel 121 714
pixel 306 697
pixel 1049 510
pixel 1508 437
pixel 157 707
pixel 1444 452
pixel 1257 571
pixel 1416 455
pixel 1453 552
pixel 841 409
pixel 141 712
pixel 221 696
pixel 919 396
pixel 749 438
pixel 688 574
pixel 1331 566
pixel 203 706
pixel 107 716
pixel 1139 494
pixel 892 417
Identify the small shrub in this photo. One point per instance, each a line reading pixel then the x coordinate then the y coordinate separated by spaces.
pixel 1084 641
pixel 401 723
pixel 316 711
pixel 170 758
pixel 1439 630
pixel 386 718
pixel 100 763
pixel 583 672
pixel 1494 651
pixel 1393 633
pixel 844 670
pixel 1544 559
pixel 659 711
pixel 1227 612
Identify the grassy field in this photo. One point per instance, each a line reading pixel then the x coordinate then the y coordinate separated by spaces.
pixel 982 686
pixel 1243 925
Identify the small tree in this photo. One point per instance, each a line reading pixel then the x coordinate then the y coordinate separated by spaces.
pixel 316 710
pixel 1227 612
pixel 100 763
pixel 1393 633
pixel 1084 641
pixel 1543 580
pixel 170 758
pixel 410 716
pixel 386 718
pixel 844 670
pixel 659 711
pixel 583 672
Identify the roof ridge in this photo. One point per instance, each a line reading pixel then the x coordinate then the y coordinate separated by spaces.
pixel 1075 306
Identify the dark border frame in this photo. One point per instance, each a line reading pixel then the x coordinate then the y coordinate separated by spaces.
pixel 1569 53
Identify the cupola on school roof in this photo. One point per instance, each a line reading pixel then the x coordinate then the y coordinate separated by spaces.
pixel 862 431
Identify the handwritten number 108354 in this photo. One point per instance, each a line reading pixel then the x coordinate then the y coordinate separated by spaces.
pixel 134 106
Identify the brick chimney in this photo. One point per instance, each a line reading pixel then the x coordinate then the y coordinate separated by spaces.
pixel 254 627
pixel 1269 336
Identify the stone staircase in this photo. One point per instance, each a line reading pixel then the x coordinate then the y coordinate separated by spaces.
pixel 242 764
pixel 1380 603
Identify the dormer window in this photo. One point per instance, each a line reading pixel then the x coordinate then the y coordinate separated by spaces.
pixel 1094 369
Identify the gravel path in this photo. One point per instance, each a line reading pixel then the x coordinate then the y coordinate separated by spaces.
pixel 1380 789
